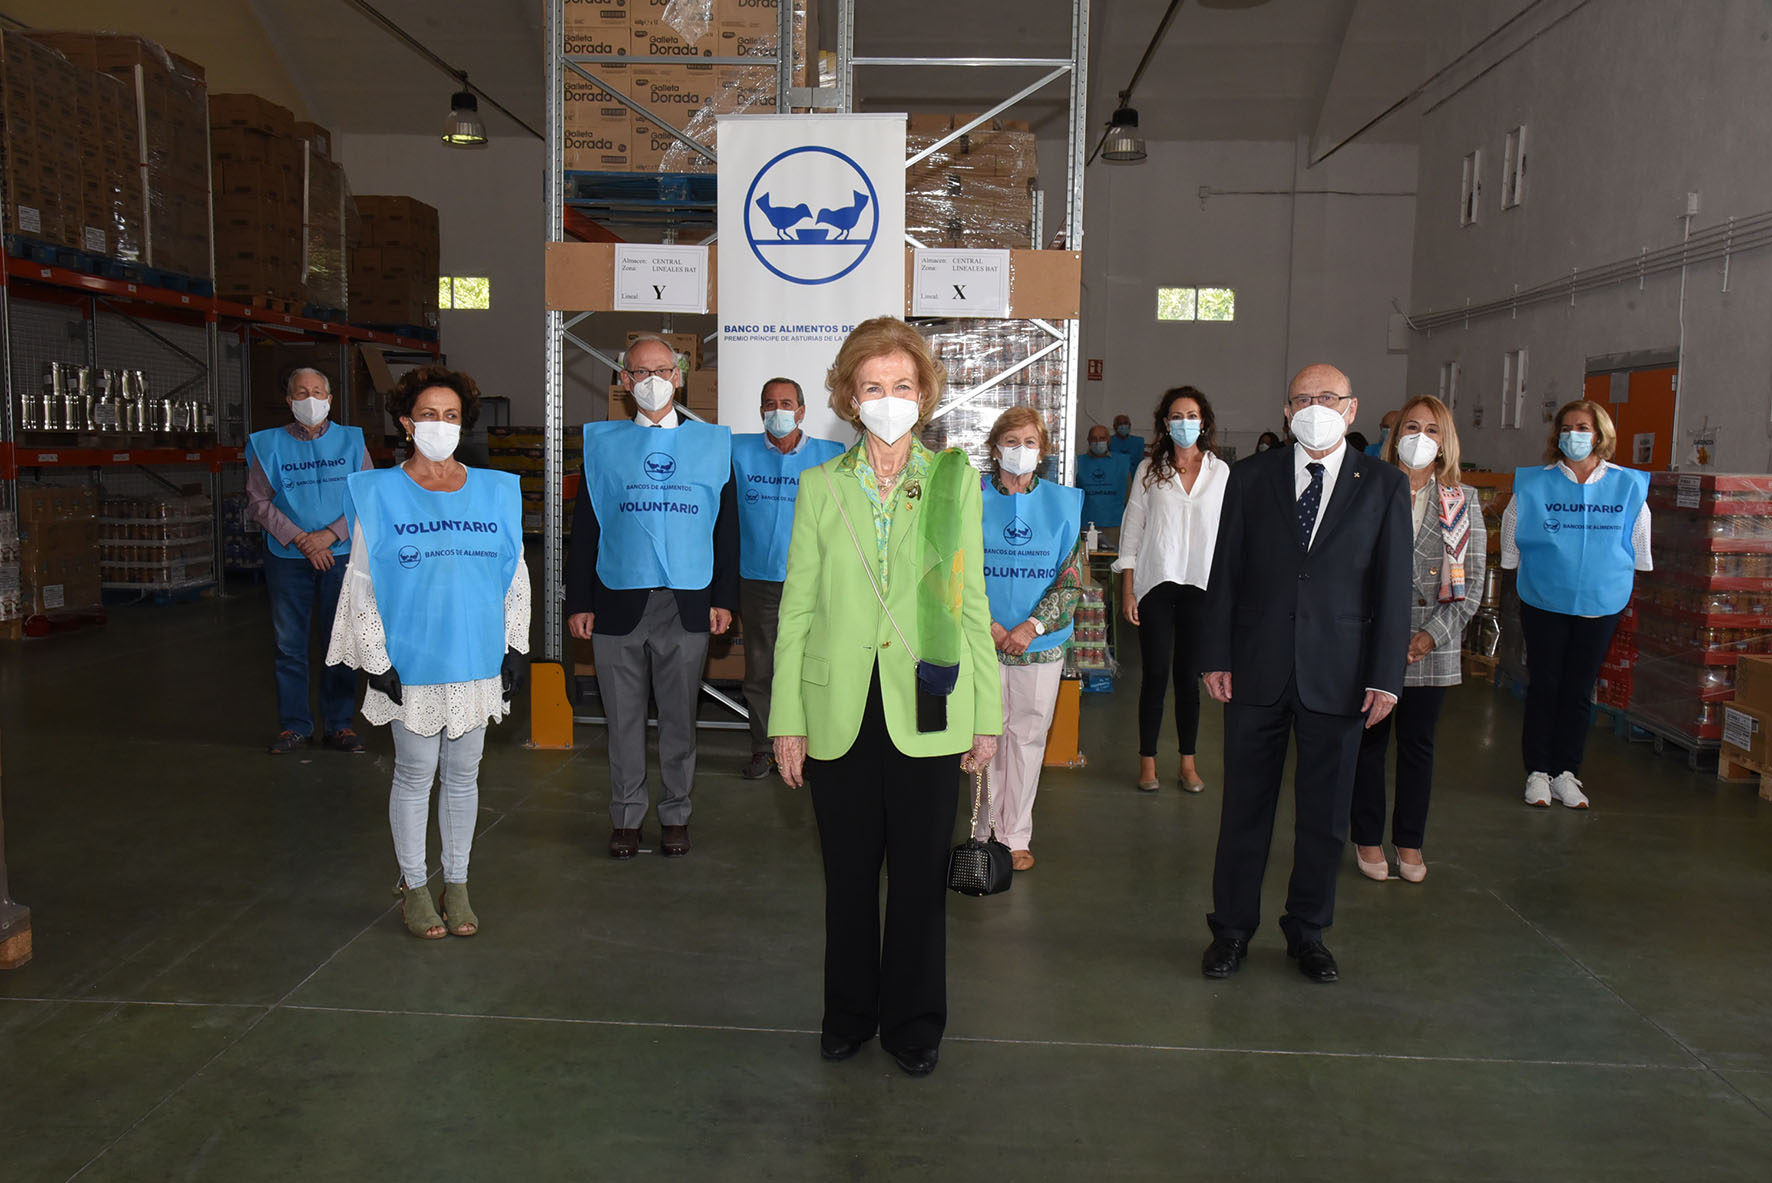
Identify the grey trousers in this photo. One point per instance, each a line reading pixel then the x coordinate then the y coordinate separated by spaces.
pixel 759 607
pixel 663 657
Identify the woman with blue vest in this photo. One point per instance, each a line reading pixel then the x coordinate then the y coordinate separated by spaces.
pixel 1577 531
pixel 1166 547
pixel 435 609
pixel 295 490
pixel 1033 562
pixel 885 690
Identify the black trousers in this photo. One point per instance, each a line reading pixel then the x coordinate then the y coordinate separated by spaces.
pixel 1323 784
pixel 1563 658
pixel 874 804
pixel 1168 640
pixel 1416 716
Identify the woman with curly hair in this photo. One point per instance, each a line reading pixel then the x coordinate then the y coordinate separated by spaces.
pixel 435 609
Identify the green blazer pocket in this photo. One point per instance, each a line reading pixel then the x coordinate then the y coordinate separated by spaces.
pixel 815 670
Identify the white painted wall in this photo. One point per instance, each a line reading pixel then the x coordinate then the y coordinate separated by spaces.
pixel 1629 105
pixel 1315 276
pixel 493 221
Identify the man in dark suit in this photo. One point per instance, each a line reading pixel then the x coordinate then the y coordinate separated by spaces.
pixel 653 569
pixel 1306 631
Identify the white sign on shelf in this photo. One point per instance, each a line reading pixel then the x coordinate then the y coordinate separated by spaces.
pixel 960 283
pixel 661 278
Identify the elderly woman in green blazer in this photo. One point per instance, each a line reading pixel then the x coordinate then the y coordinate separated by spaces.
pixel 885 689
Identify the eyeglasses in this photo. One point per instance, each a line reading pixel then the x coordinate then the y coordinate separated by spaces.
pixel 1302 401
pixel 641 375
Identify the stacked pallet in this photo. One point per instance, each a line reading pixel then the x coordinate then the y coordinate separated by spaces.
pixel 147 172
pixel 603 135
pixel 394 267
pixel 1707 603
pixel 259 171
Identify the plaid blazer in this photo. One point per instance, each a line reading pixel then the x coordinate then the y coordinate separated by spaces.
pixel 1444 622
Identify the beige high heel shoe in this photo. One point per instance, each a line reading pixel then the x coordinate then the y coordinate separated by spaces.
pixel 1379 870
pixel 1413 872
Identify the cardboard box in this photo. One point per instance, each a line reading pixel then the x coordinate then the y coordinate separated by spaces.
pixel 598 16
pixel 650 36
pixel 40 505
pixel 1753 682
pixel 319 140
pixel 1744 732
pixel 687 345
pixel 251 112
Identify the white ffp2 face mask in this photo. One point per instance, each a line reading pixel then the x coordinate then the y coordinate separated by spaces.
pixel 653 393
pixel 1417 449
pixel 436 440
pixel 889 417
pixel 1318 428
pixel 1019 461
pixel 311 412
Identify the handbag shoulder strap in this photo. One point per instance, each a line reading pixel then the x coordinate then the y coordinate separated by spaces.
pixel 867 567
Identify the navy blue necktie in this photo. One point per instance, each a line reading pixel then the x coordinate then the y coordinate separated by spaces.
pixel 1309 503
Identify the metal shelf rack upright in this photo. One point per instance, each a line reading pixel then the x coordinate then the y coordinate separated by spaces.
pixel 559 329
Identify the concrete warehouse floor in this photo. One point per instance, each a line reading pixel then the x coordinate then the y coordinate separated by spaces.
pixel 222 988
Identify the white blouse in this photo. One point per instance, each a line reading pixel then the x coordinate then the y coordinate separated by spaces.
pixel 1168 533
pixel 359 641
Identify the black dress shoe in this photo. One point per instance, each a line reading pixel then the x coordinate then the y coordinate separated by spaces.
pixel 673 841
pixel 757 767
pixel 1224 957
pixel 836 1048
pixel 1315 961
pixel 917 1061
pixel 624 844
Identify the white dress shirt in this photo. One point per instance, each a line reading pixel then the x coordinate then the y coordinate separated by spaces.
pixel 670 419
pixel 1168 533
pixel 1639 535
pixel 1302 478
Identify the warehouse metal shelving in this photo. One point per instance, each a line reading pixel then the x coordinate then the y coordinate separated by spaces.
pixel 1064 335
pixel 53 313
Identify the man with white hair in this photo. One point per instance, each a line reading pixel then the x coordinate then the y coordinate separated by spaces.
pixel 653 570
pixel 295 490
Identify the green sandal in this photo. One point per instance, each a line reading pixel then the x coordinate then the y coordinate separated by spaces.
pixel 418 913
pixel 455 903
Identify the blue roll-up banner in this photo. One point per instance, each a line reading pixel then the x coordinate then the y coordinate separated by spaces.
pixel 811 244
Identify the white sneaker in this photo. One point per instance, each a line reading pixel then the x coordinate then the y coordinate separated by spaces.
pixel 1538 789
pixel 1567 790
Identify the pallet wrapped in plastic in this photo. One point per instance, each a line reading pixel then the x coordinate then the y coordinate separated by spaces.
pixel 326 240
pixel 974 352
pixel 172 140
pixel 976 190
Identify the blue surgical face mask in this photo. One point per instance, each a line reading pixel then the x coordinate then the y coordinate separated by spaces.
pixel 779 423
pixel 1098 447
pixel 1577 445
pixel 1122 429
pixel 1184 432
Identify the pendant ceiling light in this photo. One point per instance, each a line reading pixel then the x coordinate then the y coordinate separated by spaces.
pixel 1123 144
pixel 463 129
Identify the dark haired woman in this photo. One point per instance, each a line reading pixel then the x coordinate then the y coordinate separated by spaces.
pixel 1166 542
pixel 435 608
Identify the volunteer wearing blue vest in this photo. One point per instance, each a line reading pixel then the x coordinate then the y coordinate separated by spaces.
pixel 1033 563
pixel 1124 444
pixel 435 610
pixel 1103 476
pixel 295 490
pixel 653 569
pixel 1577 530
pixel 1166 550
pixel 1387 426
pixel 766 469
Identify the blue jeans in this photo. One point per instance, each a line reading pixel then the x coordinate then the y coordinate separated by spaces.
pixel 298 594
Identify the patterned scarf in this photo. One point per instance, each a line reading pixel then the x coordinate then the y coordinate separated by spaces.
pixel 1455 528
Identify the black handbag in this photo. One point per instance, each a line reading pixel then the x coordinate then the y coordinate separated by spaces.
pixel 979 868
